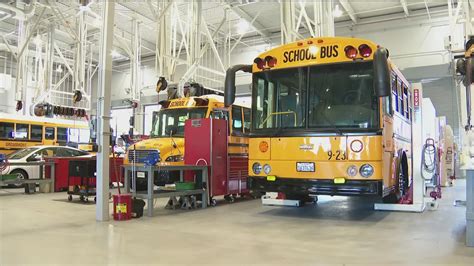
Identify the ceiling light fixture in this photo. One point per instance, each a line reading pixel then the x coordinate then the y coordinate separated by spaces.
pixel 37 40
pixel 115 54
pixel 242 26
pixel 337 11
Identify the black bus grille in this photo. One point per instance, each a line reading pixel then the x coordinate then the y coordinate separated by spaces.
pixel 138 156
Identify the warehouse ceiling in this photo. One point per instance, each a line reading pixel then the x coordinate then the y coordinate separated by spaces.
pixel 262 18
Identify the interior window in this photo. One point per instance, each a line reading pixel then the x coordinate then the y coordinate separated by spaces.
pixel 21 131
pixel 62 134
pixel 49 133
pixel 236 119
pixel 6 130
pixel 36 132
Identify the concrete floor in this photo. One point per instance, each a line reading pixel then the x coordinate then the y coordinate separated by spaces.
pixel 46 229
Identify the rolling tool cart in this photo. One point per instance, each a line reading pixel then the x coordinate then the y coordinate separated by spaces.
pixel 82 180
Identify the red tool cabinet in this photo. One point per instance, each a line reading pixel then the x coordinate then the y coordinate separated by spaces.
pixel 61 169
pixel 206 142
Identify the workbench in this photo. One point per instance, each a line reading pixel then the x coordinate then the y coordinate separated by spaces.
pixel 152 193
pixel 40 180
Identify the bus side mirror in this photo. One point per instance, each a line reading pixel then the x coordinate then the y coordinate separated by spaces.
pixel 469 71
pixel 229 85
pixel 381 73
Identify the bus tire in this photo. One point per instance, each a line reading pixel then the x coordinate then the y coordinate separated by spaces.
pixel 401 187
pixel 403 181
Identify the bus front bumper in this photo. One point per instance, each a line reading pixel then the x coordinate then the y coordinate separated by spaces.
pixel 317 186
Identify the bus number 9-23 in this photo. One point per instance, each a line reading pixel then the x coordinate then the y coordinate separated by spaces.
pixel 338 155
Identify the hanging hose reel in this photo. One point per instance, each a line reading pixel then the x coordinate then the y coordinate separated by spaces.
pixel 430 167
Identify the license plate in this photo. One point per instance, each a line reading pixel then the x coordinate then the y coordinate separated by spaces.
pixel 140 174
pixel 305 167
pixel 271 178
pixel 339 180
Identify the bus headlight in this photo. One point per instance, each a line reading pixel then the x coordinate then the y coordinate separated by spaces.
pixel 366 170
pixel 267 169
pixel 352 170
pixel 175 158
pixel 257 168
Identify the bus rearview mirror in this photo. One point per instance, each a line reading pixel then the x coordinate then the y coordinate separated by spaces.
pixel 381 73
pixel 229 85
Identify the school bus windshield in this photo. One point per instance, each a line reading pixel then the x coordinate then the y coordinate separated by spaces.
pixel 170 122
pixel 337 96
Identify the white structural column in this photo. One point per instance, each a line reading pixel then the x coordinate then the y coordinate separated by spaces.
pixel 296 24
pixel 48 79
pixel 288 26
pixel 21 58
pixel 103 108
pixel 324 19
pixel 135 61
pixel 163 42
pixel 469 31
pixel 467 12
pixel 195 8
pixel 80 60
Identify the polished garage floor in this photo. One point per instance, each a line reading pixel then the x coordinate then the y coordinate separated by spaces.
pixel 46 229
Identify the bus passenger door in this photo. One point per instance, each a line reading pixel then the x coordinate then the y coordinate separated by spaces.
pixel 389 180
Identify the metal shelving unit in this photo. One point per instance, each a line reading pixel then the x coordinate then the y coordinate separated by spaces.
pixel 152 193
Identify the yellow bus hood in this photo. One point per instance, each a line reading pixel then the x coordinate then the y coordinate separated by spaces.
pixel 166 146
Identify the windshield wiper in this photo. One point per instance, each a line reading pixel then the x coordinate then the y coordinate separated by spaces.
pixel 331 124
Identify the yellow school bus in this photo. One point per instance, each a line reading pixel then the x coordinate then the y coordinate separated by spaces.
pixel 330 116
pixel 167 134
pixel 18 132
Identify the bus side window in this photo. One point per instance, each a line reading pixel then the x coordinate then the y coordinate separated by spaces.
pixel 236 119
pixel 405 99
pixel 394 93
pixel 218 114
pixel 21 131
pixel 6 130
pixel 410 106
pixel 400 98
pixel 246 120
pixel 49 133
pixel 62 134
pixel 36 132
